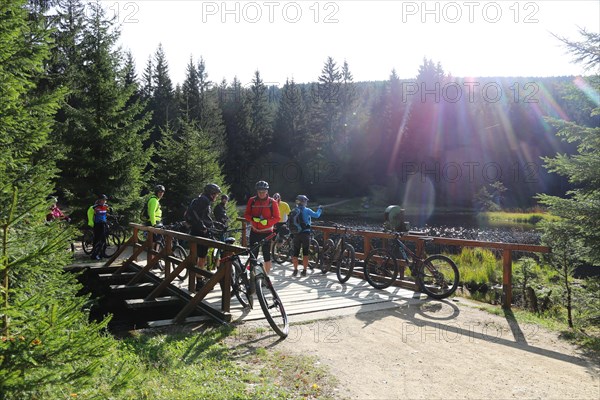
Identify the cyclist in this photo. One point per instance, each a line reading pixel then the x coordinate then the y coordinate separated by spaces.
pixel 220 212
pixel 153 212
pixel 198 216
pixel 302 238
pixel 284 210
pixel 55 213
pixel 97 220
pixel 262 212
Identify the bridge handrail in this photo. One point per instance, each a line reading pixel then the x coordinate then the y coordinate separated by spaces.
pixel 507 249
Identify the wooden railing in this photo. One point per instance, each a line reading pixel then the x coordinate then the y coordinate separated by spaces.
pixel 419 240
pixel 222 275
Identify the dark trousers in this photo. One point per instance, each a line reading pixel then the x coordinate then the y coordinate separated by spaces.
pixel 266 247
pixel 100 231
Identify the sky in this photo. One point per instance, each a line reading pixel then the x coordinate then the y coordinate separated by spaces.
pixel 292 39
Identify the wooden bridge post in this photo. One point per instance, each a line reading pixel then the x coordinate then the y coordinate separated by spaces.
pixel 192 274
pixel 506 278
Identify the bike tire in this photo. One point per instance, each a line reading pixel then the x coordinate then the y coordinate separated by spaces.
pixel 111 245
pixel 381 268
pixel 272 306
pixel 282 251
pixel 240 285
pixel 180 253
pixel 121 233
pixel 314 254
pixel 438 277
pixel 87 242
pixel 327 255
pixel 161 263
pixel 346 263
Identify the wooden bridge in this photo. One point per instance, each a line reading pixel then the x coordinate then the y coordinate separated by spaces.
pixel 154 298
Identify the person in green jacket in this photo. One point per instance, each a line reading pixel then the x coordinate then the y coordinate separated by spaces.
pixel 153 207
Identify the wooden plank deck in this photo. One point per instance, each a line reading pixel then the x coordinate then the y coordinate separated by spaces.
pixel 316 296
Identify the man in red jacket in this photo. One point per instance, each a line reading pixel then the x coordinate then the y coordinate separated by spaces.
pixel 262 212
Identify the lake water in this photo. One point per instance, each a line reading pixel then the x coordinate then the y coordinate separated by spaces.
pixel 458 226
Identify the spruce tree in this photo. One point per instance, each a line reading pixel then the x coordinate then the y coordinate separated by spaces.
pixel 186 163
pixel 47 347
pixel 104 126
pixel 163 103
pixel 257 125
pixel 580 209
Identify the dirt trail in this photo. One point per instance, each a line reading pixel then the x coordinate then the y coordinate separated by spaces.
pixel 443 350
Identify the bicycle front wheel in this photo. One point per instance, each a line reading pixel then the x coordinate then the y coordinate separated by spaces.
pixel 111 245
pixel 282 250
pixel 438 277
pixel 346 262
pixel 314 254
pixel 272 306
pixel 180 253
pixel 381 268
pixel 327 255
pixel 87 242
pixel 240 286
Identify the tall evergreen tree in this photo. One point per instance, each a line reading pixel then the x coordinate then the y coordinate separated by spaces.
pixel 39 303
pixel 211 116
pixel 163 102
pixel 186 163
pixel 104 128
pixel 289 122
pixel 580 210
pixel 258 119
pixel 328 101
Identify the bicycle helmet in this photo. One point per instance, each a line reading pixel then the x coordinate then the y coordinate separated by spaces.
pixel 224 197
pixel 211 189
pixel 159 188
pixel 277 197
pixel 302 199
pixel 103 196
pixel 261 185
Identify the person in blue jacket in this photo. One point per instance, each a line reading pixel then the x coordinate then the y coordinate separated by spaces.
pixel 302 238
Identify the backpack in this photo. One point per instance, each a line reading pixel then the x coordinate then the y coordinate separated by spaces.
pixel 144 213
pixel 295 221
pixel 270 204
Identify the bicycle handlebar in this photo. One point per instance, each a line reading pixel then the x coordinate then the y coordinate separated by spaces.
pixel 249 249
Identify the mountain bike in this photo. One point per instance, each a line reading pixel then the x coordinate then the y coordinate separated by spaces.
pixel 338 252
pixel 249 277
pixel 109 247
pixel 282 249
pixel 436 275
pixel 218 232
pixel 116 235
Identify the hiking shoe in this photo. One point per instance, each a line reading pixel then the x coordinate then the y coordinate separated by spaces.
pixel 295 273
pixel 303 272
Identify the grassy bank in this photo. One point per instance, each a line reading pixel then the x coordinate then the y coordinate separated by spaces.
pixel 214 363
pixel 516 217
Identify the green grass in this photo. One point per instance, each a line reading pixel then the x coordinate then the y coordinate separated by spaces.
pixel 517 217
pixel 213 363
pixel 478 266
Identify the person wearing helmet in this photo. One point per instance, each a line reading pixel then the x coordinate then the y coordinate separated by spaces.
pixel 198 216
pixel 220 211
pixel 154 212
pixel 284 210
pixel 262 212
pixel 97 220
pixel 302 238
